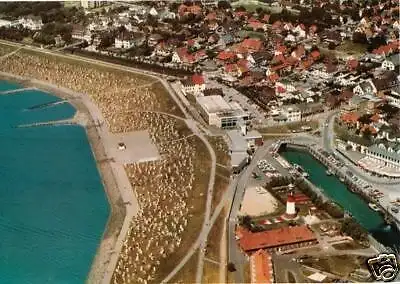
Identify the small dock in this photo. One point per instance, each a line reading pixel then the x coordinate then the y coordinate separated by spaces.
pixel 10 92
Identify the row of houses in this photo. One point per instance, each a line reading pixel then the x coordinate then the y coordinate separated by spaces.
pixel 33 23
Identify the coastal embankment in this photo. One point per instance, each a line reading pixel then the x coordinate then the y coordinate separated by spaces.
pixel 123 202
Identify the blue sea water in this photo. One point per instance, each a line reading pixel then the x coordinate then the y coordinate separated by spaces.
pixel 53 208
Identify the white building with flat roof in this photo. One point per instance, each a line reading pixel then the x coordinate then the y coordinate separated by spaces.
pixel 216 111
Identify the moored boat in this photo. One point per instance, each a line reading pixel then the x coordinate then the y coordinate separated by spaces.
pixel 328 173
pixel 373 206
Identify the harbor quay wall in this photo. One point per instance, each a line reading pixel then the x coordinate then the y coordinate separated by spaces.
pixel 348 181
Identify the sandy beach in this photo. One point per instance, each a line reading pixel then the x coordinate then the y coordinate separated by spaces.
pixel 258 201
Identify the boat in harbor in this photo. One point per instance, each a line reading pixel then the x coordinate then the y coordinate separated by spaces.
pixel 341 179
pixel 373 206
pixel 328 173
pixel 300 170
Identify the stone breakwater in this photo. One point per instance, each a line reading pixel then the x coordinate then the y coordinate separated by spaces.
pixel 170 191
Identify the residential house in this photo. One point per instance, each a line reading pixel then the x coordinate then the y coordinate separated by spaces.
pixel 250 45
pixel 292 113
pixel 195 85
pixel 184 10
pixel 162 49
pixel 391 62
pixel 365 88
pixel 33 23
pixel 154 39
pixel 394 97
pixel 124 40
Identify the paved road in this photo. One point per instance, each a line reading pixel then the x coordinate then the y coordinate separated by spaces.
pixel 234 254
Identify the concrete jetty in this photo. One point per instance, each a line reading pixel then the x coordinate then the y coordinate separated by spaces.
pixel 10 92
pixel 46 105
pixel 49 123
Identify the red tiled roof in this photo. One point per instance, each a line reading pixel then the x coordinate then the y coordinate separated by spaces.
pixel 261 268
pixel 307 63
pixel 273 77
pixel 279 58
pixel 225 55
pixel 370 128
pixel 300 51
pixel 183 9
pixel 292 60
pixel 375 117
pixel 352 64
pixel 277 25
pixel 280 89
pixel 315 54
pixel 281 48
pixel 243 65
pixel 280 66
pixel 350 117
pixel 313 28
pixel 240 13
pixel 255 25
pixel 346 95
pixel 185 56
pixel 275 238
pixel 231 68
pixel 266 18
pixel 200 54
pixel 197 79
pixel 211 16
pixel 252 44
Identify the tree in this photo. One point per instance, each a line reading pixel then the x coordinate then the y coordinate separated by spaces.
pixel 224 5
pixel 359 38
pixel 365 119
pixel 331 46
pixel 245 221
pixel 231 267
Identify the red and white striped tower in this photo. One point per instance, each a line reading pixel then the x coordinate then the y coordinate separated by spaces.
pixel 290 206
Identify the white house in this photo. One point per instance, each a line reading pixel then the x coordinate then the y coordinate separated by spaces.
pixel 299 30
pixel 153 12
pixel 5 23
pixel 195 85
pixel 124 40
pixel 392 62
pixel 33 23
pixel 292 113
pixel 394 97
pixel 365 88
